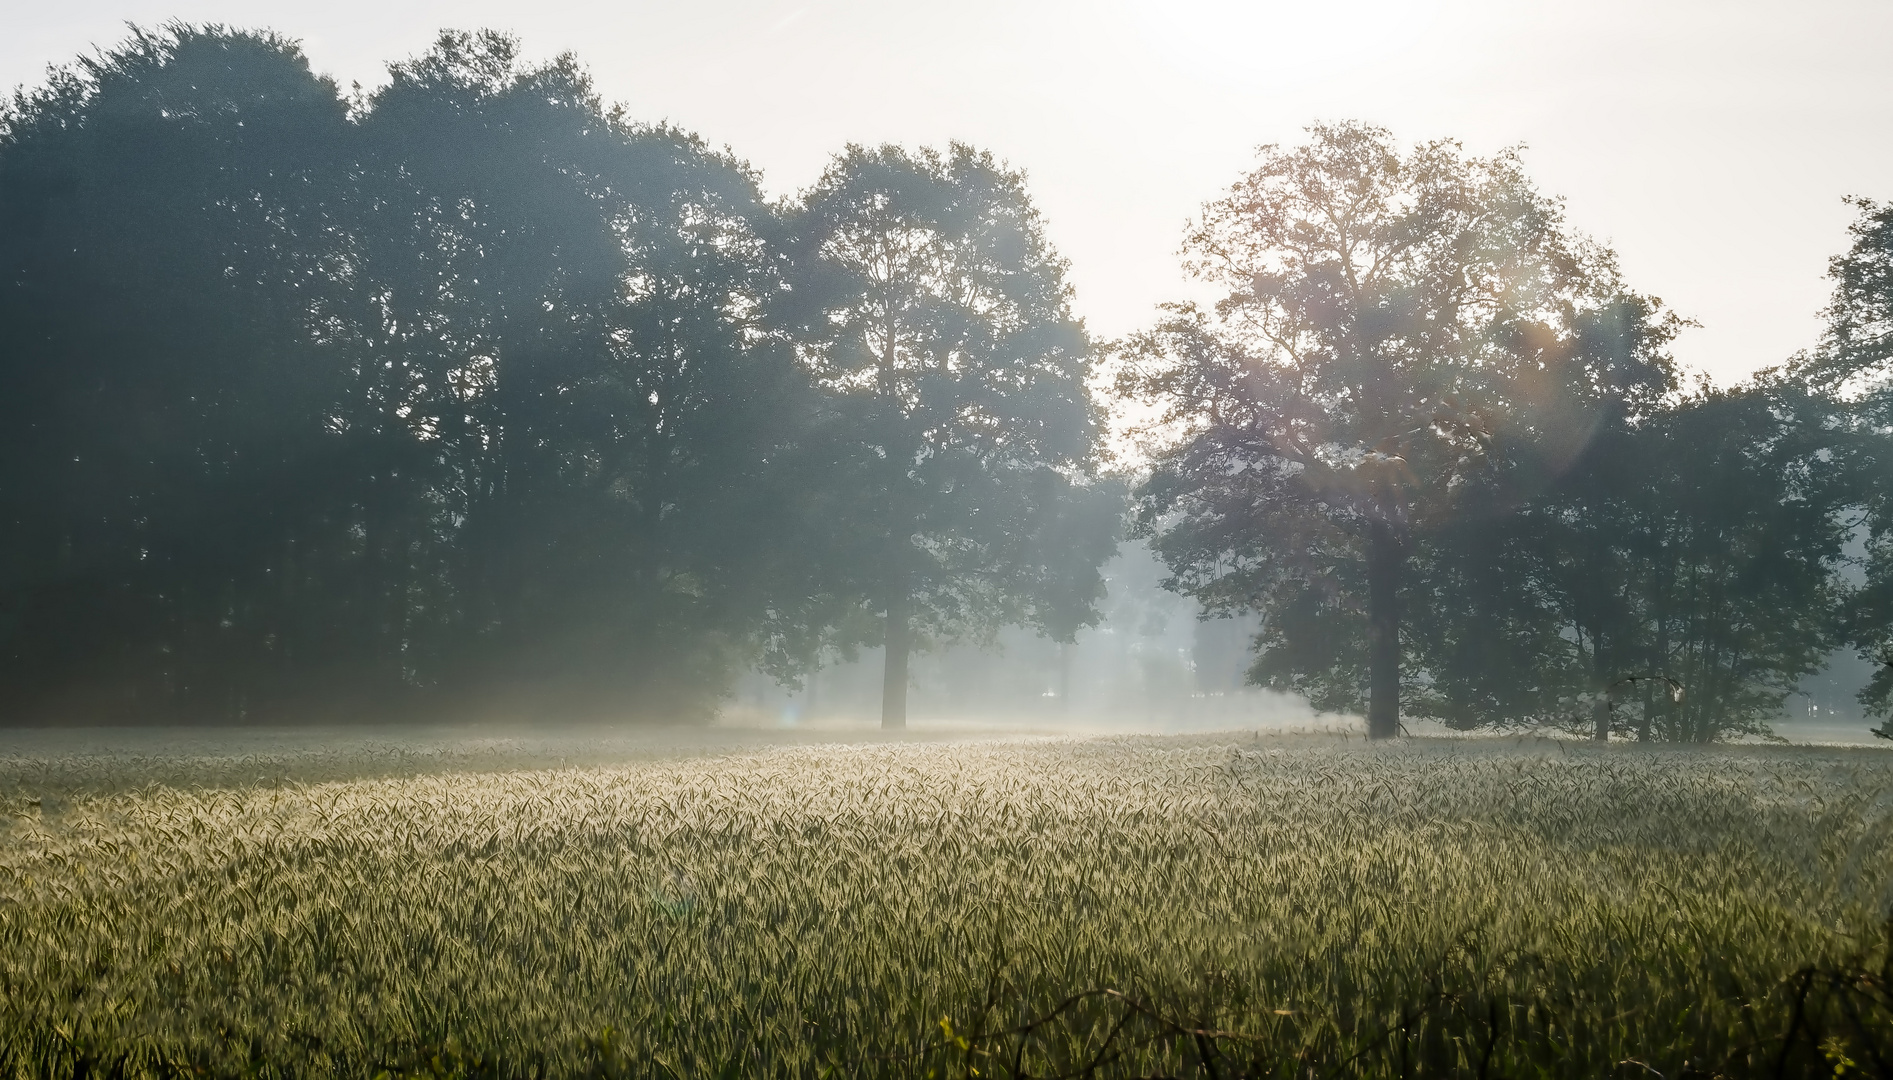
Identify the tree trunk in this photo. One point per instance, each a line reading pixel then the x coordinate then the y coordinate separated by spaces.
pixel 1666 693
pixel 1600 705
pixel 1384 556
pixel 894 671
pixel 1064 676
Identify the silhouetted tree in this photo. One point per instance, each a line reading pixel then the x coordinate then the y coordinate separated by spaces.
pixel 960 433
pixel 477 390
pixel 170 218
pixel 568 314
pixel 1403 337
pixel 1855 360
pixel 1858 343
pixel 1679 579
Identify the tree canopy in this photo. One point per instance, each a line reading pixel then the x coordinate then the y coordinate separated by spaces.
pixel 1677 581
pixel 1855 361
pixel 934 313
pixel 1405 338
pixel 473 392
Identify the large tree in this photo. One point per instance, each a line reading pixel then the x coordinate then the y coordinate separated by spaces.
pixel 954 494
pixel 563 318
pixel 171 214
pixel 1855 359
pixel 468 386
pixel 1401 335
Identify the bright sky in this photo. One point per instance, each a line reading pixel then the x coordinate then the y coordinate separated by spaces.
pixel 1709 142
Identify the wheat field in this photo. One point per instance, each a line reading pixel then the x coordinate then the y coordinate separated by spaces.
pixel 1205 905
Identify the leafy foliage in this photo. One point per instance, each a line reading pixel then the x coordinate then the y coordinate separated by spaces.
pixel 472 393
pixel 1684 572
pixel 961 429
pixel 1859 338
pixel 1856 356
pixel 1404 339
pixel 563 323
pixel 173 214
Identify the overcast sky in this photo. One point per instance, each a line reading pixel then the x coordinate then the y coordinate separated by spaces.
pixel 1709 142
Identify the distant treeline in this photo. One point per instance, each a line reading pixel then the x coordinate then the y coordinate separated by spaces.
pixel 472 393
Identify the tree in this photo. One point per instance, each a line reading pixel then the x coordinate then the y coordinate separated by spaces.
pixel 1855 360
pixel 1679 579
pixel 567 318
pixel 956 455
pixel 1858 343
pixel 1402 336
pixel 469 388
pixel 170 213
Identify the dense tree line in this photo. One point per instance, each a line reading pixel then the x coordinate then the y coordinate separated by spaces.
pixel 473 392
pixel 1437 443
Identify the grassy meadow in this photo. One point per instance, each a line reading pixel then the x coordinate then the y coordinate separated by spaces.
pixel 723 905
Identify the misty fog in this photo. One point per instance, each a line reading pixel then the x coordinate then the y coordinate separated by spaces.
pixel 1151 664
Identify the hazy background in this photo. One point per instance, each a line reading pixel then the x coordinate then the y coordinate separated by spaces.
pixel 1711 143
